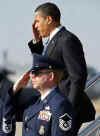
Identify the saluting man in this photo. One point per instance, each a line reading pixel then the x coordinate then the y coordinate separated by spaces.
pixel 66 47
pixel 52 113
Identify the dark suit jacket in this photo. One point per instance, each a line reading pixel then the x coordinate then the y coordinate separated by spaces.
pixel 66 47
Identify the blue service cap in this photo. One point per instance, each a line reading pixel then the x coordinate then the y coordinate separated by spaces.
pixel 44 62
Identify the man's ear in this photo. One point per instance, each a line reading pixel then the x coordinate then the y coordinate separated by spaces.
pixel 51 76
pixel 50 20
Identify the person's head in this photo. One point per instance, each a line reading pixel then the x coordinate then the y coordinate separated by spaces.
pixel 46 18
pixel 46 73
pixel 45 79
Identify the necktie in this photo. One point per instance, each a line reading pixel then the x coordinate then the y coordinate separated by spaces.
pixel 45 43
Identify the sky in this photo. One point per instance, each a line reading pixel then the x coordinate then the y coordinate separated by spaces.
pixel 80 17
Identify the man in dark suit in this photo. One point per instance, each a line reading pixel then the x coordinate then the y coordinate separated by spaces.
pixel 66 47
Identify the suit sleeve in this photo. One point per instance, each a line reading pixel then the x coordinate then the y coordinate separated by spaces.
pixel 75 64
pixel 35 48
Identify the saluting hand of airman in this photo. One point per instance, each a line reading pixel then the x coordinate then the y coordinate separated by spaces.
pixel 21 82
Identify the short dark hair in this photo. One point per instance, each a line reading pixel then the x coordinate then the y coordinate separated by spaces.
pixel 49 9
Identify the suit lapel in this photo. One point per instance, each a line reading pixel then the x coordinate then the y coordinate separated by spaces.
pixel 50 47
pixel 52 43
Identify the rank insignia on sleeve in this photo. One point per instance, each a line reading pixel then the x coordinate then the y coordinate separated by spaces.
pixel 65 122
pixel 42 130
pixel 7 125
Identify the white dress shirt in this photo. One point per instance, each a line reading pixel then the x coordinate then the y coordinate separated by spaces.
pixel 52 34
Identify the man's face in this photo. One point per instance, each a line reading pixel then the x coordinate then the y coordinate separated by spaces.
pixel 42 24
pixel 40 79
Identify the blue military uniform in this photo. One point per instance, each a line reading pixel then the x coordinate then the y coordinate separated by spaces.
pixel 1 124
pixel 1 110
pixel 52 116
pixel 5 84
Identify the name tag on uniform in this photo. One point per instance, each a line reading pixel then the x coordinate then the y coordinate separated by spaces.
pixel 44 115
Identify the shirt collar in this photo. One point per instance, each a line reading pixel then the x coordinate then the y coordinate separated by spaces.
pixel 47 93
pixel 55 31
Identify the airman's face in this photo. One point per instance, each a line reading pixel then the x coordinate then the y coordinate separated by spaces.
pixel 42 24
pixel 40 79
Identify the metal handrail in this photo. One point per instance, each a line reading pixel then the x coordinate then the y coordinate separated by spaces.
pixel 91 82
pixel 90 129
